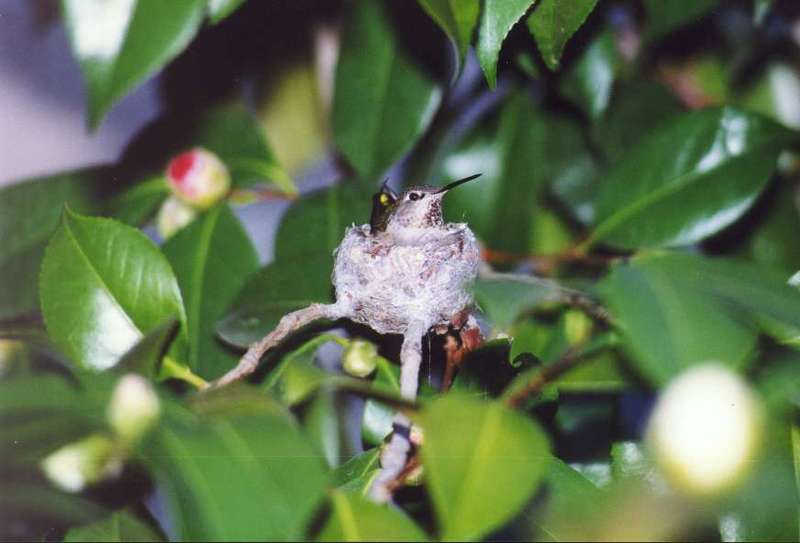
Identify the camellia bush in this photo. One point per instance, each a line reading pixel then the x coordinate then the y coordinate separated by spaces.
pixel 638 221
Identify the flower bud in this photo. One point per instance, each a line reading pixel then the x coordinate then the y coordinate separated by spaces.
pixel 84 462
pixel 199 178
pixel 173 216
pixel 134 407
pixel 705 430
pixel 360 358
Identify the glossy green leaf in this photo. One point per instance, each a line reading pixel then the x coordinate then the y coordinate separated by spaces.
pixel 354 518
pixel 520 151
pixel 669 323
pixel 383 99
pixel 665 17
pixel 234 134
pixel 553 22
pixel 498 17
pixel 212 258
pixel 120 44
pixel 145 357
pixel 590 80
pixel 457 18
pixel 29 214
pixel 688 180
pixel 119 527
pixel 103 285
pixel 237 477
pixel 219 10
pixel 482 463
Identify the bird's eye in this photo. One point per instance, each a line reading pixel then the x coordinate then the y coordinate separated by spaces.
pixel 414 196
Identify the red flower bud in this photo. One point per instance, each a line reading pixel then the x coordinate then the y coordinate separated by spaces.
pixel 198 177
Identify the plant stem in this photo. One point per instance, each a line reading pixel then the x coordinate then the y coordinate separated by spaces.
pixel 171 368
pixel 543 376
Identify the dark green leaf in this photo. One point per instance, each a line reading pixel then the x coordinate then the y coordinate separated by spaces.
pixel 212 258
pixel 220 9
pixel 145 357
pixel 120 44
pixel 590 80
pixel 120 526
pixel 235 135
pixel 138 204
pixel 665 17
pixel 520 151
pixel 383 99
pixel 482 463
pixel 499 16
pixel 457 18
pixel 237 478
pixel 103 285
pixel 553 22
pixel 297 376
pixel 353 518
pixel 670 323
pixel 688 180
pixel 504 298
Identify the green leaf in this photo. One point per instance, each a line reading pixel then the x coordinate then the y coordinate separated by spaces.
pixel 120 526
pixel 383 99
pixel 235 135
pixel 120 44
pixel 482 462
pixel 376 421
pixel 29 214
pixel 353 474
pixel 219 10
pixel 457 18
pixel 504 298
pixel 145 357
pixel 553 22
pixel 670 323
pixel 353 518
pixel 688 180
pixel 499 16
pixel 590 80
pixel 212 258
pixel 139 203
pixel 103 285
pixel 666 17
pixel 520 151
pixel 237 478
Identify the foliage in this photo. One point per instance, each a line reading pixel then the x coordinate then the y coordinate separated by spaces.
pixel 638 207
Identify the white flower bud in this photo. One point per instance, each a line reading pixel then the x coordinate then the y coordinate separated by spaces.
pixel 172 216
pixel 199 178
pixel 133 408
pixel 360 358
pixel 705 430
pixel 74 466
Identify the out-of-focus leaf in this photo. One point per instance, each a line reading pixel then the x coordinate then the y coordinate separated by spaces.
pixel 354 518
pixel 589 82
pixel 688 180
pixel 665 17
pixel 668 322
pixel 234 134
pixel 519 151
pixel 120 44
pixel 137 204
pixel 212 258
pixel 376 422
pixel 103 285
pixel 297 377
pixel 482 463
pixel 553 22
pixel 145 356
pixel 761 9
pixel 237 477
pixel 271 293
pixel 218 10
pixel 499 16
pixel 504 298
pixel 457 18
pixel 353 474
pixel 29 214
pixel 119 527
pixel 322 425
pixel 383 99
pixel 486 371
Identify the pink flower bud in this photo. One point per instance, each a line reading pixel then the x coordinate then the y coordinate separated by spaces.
pixel 198 177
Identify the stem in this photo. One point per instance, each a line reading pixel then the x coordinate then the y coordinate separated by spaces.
pixel 171 368
pixel 543 376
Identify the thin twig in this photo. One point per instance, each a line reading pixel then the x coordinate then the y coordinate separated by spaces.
pixel 544 376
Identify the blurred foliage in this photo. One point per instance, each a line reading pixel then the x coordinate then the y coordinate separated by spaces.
pixel 638 215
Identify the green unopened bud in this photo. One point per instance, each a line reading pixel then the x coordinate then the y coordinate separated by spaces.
pixel 172 216
pixel 134 407
pixel 199 178
pixel 360 358
pixel 11 352
pixel 74 466
pixel 705 430
pixel 577 326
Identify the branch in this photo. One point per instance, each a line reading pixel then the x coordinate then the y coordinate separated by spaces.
pixel 543 376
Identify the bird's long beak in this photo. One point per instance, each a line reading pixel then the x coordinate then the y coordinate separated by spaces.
pixel 454 184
